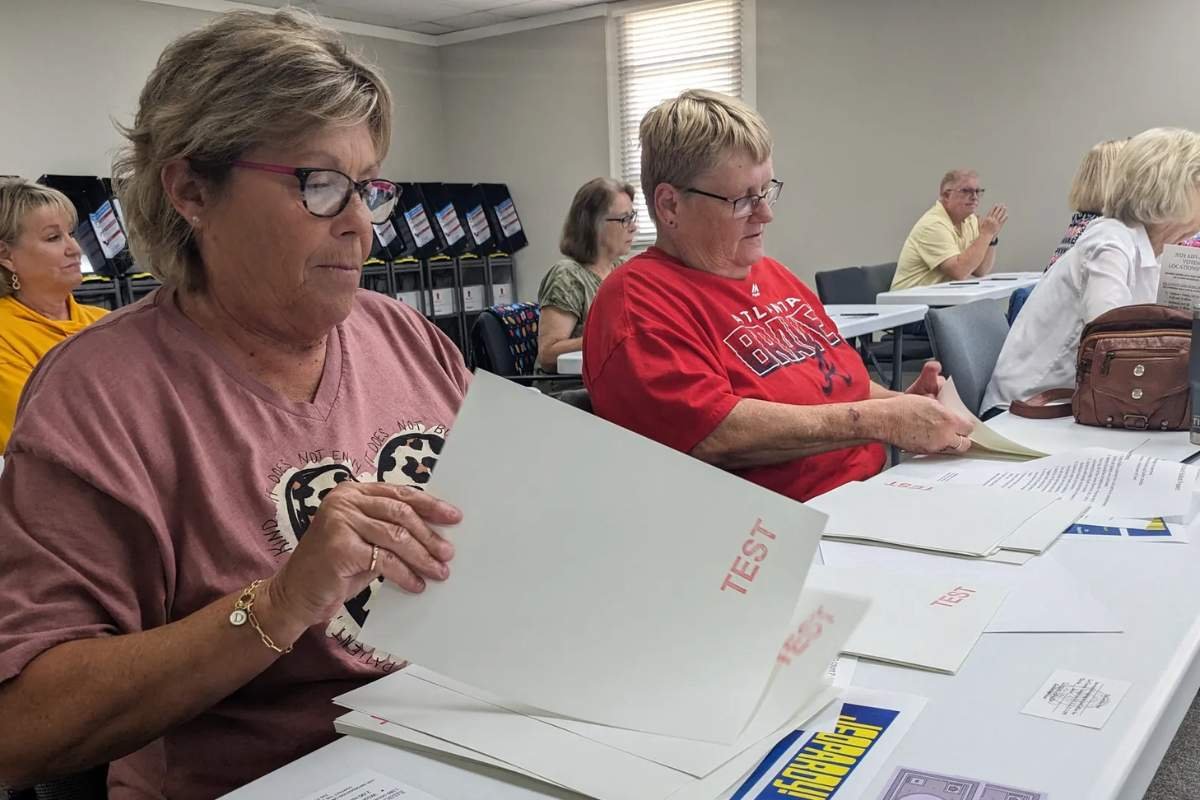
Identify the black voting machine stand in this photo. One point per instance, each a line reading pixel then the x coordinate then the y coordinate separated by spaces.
pixel 445 253
pixel 447 250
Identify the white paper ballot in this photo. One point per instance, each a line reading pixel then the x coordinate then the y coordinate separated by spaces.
pixel 548 751
pixel 1044 596
pixel 377 729
pixel 591 604
pixel 1077 698
pixel 984 440
pixel 822 623
pixel 915 619
pixel 368 784
pixel 355 723
pixel 1123 484
pixel 926 515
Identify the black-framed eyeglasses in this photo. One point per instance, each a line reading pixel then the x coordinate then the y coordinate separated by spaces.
pixel 326 192
pixel 971 192
pixel 745 206
pixel 628 220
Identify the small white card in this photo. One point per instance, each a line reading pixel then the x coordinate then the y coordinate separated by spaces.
pixel 1076 698
pixel 369 785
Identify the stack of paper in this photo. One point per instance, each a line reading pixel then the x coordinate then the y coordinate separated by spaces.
pixel 1112 482
pixel 985 442
pixel 419 708
pixel 966 520
pixel 628 624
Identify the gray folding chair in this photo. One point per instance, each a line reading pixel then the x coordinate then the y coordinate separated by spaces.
pixel 845 286
pixel 860 285
pixel 967 339
pixel 879 278
pixel 576 397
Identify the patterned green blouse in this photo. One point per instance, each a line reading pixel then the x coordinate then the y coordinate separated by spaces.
pixel 571 287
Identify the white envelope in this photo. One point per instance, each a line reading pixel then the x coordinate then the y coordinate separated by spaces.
pixel 599 577
pixel 966 520
pixel 915 619
pixel 1044 596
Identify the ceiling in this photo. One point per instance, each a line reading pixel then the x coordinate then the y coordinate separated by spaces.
pixel 432 17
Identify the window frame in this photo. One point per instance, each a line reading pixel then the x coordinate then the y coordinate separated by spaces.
pixel 749 67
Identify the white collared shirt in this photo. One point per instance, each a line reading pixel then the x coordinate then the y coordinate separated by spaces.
pixel 1111 265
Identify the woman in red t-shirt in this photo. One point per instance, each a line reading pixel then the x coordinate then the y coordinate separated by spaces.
pixel 705 344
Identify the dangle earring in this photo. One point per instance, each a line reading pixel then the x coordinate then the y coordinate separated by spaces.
pixel 16 283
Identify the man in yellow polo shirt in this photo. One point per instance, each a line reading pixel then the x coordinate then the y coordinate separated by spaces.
pixel 950 243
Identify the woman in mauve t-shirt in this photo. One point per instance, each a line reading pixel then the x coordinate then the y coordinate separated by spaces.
pixel 203 490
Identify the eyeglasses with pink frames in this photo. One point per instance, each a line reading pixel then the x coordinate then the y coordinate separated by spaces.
pixel 326 192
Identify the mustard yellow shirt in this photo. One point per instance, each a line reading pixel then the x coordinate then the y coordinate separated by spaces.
pixel 930 242
pixel 25 337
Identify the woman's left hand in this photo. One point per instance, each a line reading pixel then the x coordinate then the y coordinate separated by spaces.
pixel 930 381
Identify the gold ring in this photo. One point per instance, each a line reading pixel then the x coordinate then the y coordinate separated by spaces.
pixel 374 557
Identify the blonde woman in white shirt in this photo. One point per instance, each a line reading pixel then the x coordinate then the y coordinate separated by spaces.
pixel 1152 200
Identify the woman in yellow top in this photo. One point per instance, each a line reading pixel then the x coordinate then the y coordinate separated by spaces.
pixel 39 266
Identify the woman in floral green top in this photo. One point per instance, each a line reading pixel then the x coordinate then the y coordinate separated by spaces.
pixel 598 232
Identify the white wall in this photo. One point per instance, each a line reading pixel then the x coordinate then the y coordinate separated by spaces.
pixel 871 101
pixel 71 66
pixel 529 109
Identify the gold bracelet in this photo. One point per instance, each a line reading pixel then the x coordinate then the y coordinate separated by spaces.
pixel 243 612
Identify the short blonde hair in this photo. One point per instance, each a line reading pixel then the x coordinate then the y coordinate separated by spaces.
pixel 244 79
pixel 686 136
pixel 1087 190
pixel 18 197
pixel 581 230
pixel 954 176
pixel 1156 178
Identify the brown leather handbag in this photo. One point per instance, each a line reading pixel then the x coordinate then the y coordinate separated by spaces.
pixel 1131 372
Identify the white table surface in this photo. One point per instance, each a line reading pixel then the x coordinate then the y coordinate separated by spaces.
pixel 956 293
pixel 571 363
pixel 972 724
pixel 859 320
